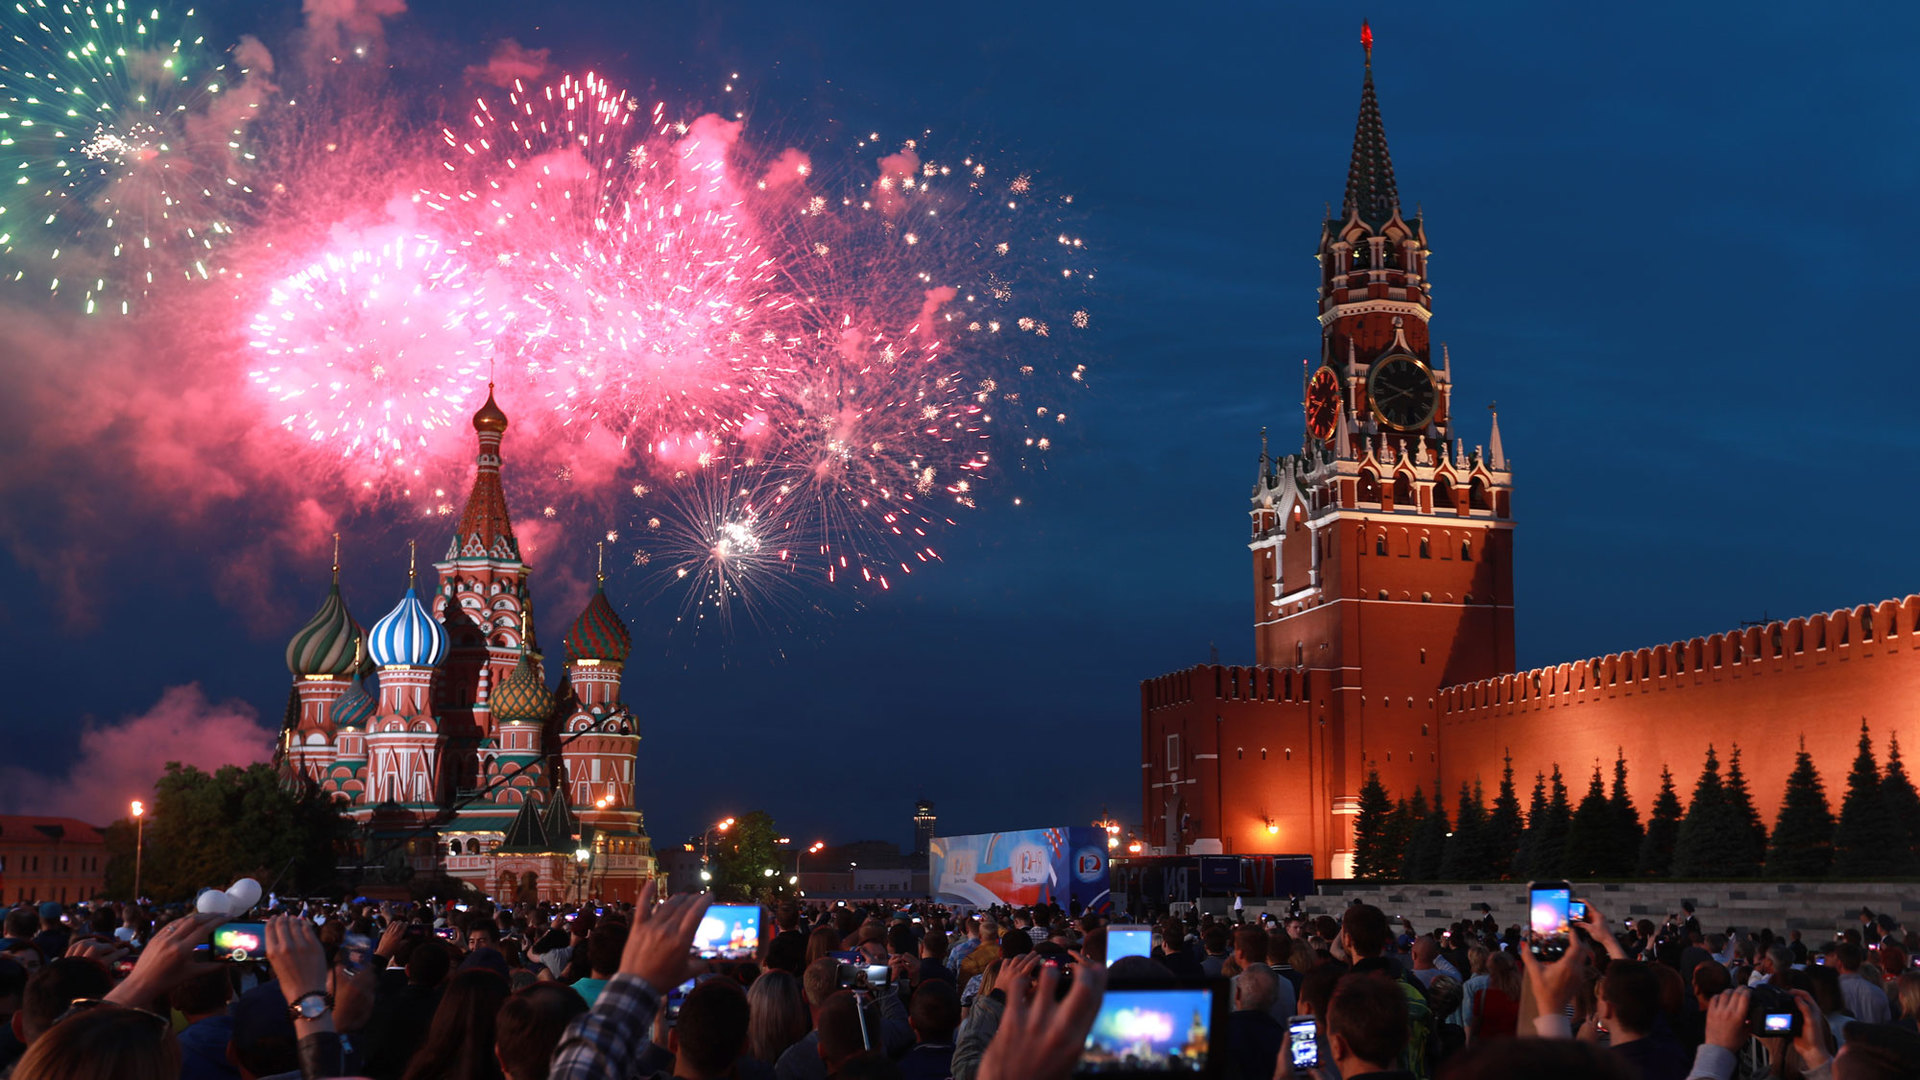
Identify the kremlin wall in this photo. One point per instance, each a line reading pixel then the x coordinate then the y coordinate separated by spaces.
pixel 1384 611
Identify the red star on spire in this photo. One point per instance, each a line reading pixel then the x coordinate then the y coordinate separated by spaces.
pixel 1366 39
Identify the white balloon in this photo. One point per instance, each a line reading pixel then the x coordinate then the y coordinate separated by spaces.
pixel 243 894
pixel 213 902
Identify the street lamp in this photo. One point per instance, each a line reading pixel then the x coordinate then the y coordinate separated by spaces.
pixel 580 857
pixel 139 843
pixel 1111 826
pixel 705 846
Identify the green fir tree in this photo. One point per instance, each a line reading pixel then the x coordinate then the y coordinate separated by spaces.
pixel 1590 835
pixel 1526 864
pixel 1867 832
pixel 1663 829
pixel 1374 854
pixel 1433 841
pixel 1713 837
pixel 1504 827
pixel 1904 804
pixel 1626 821
pixel 1412 823
pixel 1551 848
pixel 1740 802
pixel 1467 854
pixel 1802 848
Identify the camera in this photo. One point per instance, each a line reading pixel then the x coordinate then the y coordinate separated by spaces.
pixel 1772 1012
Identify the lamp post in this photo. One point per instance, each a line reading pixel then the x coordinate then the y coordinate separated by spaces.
pixel 580 857
pixel 139 843
pixel 706 862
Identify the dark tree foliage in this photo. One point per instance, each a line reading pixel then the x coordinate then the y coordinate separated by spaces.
pixel 1740 802
pixel 1550 846
pixel 1626 819
pixel 1467 854
pixel 743 855
pixel 1376 854
pixel 1526 863
pixel 1867 833
pixel 206 830
pixel 1413 822
pixel 1504 826
pixel 1713 837
pixel 1802 848
pixel 1904 804
pixel 1663 830
pixel 1592 836
pixel 1432 851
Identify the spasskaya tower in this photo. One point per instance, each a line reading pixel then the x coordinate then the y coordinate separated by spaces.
pixel 1381 566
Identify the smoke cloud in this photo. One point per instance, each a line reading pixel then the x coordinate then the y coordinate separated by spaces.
pixel 511 62
pixel 119 762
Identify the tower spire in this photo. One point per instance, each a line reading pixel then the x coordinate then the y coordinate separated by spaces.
pixel 600 556
pixel 412 554
pixel 1496 454
pixel 336 558
pixel 1370 188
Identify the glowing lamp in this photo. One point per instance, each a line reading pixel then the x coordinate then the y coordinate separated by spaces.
pixel 139 808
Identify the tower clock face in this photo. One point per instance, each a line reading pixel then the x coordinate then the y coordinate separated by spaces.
pixel 1323 403
pixel 1403 393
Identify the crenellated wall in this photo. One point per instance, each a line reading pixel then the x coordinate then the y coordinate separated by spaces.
pixel 1762 688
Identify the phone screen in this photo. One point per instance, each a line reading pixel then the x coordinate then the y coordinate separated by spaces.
pixel 1151 1030
pixel 239 942
pixel 1577 910
pixel 1303 1043
pixel 729 932
pixel 1549 904
pixel 1125 941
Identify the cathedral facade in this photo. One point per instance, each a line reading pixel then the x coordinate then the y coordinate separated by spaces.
pixel 1383 609
pixel 438 731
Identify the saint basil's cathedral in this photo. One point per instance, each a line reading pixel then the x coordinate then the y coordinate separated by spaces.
pixel 1383 610
pixel 438 730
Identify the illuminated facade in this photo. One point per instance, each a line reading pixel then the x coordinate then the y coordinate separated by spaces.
pixel 1383 609
pixel 460 757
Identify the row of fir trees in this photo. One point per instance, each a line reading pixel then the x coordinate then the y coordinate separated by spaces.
pixel 1718 835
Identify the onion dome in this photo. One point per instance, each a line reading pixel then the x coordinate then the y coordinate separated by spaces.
pixel 522 696
pixel 407 635
pixel 329 644
pixel 489 418
pixel 355 707
pixel 598 634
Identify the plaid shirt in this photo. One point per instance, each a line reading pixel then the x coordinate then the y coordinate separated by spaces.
pixel 605 1042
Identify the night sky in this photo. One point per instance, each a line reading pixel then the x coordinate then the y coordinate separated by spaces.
pixel 1674 247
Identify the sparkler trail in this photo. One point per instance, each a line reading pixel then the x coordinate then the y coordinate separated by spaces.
pixel 123 141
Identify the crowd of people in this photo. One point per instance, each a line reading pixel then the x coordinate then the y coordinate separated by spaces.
pixel 113 991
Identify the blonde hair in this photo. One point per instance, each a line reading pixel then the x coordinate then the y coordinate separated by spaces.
pixel 1909 995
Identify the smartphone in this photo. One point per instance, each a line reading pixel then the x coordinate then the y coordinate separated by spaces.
pixel 729 932
pixel 1303 1043
pixel 1128 940
pixel 237 942
pixel 860 976
pixel 675 997
pixel 1549 905
pixel 1168 1025
pixel 1577 910
pixel 448 933
pixel 355 949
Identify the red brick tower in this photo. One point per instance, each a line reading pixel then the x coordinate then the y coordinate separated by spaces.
pixel 1382 552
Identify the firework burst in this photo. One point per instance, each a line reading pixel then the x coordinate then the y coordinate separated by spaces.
pixel 123 143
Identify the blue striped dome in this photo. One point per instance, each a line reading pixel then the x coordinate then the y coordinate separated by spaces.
pixel 407 635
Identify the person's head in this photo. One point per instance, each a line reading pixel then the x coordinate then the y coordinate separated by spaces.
pixel 823 940
pixel 1872 1052
pixel 529 1027
pixel 1503 973
pixel 50 913
pixel 900 941
pixel 1563 1059
pixel 604 946
pixel 1250 945
pixel 1477 955
pixel 1850 956
pixel 1317 985
pixel 935 1012
pixel 1777 960
pixel 483 934
pixel 1012 945
pixel 460 1040
pixel 105 1042
pixel 1424 951
pixel 1367 1024
pixel 202 995
pixel 1629 997
pixel 779 1015
pixel 711 1033
pixel 1364 932
pixel 989 932
pixel 428 963
pixel 838 1021
pixel 934 946
pixel 787 916
pixel 22 923
pixel 53 989
pixel 1256 989
pixel 1908 990
pixel 1215 938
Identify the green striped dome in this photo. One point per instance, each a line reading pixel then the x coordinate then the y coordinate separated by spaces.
pixel 522 697
pixel 330 642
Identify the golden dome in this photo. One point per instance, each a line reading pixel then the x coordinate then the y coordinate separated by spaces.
pixel 489 418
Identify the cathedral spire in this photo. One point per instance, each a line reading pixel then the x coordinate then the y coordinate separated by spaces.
pixel 1496 454
pixel 485 530
pixel 1370 189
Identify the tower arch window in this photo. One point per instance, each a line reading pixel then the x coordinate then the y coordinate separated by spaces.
pixel 1477 495
pixel 1466 551
pixel 1369 491
pixel 1380 544
pixel 1403 492
pixel 1426 548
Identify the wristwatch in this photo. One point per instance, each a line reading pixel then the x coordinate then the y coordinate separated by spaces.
pixel 311 1005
